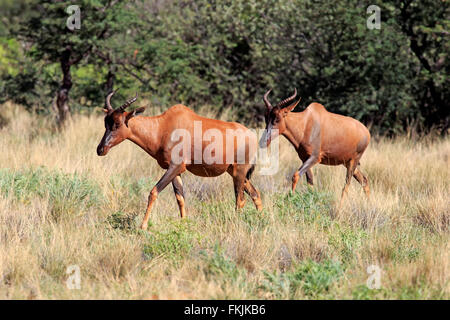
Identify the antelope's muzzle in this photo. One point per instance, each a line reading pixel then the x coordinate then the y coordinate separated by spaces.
pixel 104 145
pixel 100 150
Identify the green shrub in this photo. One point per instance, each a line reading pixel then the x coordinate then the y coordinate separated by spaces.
pixel 218 265
pixel 311 278
pixel 66 193
pixel 122 221
pixel 310 205
pixel 224 271
pixel 175 242
pixel 347 241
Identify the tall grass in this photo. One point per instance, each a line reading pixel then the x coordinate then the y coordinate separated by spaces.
pixel 62 205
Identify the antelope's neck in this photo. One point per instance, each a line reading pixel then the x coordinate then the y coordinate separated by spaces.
pixel 145 132
pixel 295 127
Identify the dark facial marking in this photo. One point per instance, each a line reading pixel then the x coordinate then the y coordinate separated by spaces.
pixel 273 117
pixel 109 122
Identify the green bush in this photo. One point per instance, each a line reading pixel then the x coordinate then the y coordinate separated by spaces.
pixel 310 278
pixel 347 241
pixel 218 265
pixel 67 193
pixel 228 53
pixel 309 205
pixel 174 243
pixel 122 221
pixel 222 270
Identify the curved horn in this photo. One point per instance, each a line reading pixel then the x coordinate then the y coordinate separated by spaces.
pixel 108 100
pixel 128 102
pixel 287 100
pixel 266 100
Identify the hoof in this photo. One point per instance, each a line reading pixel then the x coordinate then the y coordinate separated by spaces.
pixel 143 227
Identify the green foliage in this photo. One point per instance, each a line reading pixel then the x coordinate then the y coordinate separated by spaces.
pixel 347 241
pixel 174 243
pixel 405 292
pixel 66 193
pixel 227 53
pixel 254 219
pixel 310 278
pixel 130 191
pixel 41 25
pixel 403 249
pixel 310 205
pixel 122 221
pixel 20 79
pixel 224 271
pixel 132 187
pixel 219 266
pixel 362 292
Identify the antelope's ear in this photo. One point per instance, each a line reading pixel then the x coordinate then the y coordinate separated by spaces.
pixel 138 111
pixel 291 107
pixel 133 113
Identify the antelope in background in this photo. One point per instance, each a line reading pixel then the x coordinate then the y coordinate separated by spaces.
pixel 153 134
pixel 318 136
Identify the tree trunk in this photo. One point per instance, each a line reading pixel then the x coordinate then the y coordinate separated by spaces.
pixel 109 84
pixel 62 98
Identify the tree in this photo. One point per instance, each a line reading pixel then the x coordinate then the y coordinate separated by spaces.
pixel 52 41
pixel 426 25
pixel 228 53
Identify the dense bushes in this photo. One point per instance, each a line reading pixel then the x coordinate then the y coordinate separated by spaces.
pixel 228 53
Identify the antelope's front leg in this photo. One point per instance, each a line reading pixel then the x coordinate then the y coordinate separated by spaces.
pixel 171 173
pixel 306 167
pixel 296 177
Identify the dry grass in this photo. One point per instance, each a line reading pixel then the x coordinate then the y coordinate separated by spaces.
pixel 62 205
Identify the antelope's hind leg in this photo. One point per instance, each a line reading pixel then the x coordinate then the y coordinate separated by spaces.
pixel 309 177
pixel 361 178
pixel 169 176
pixel 254 194
pixel 177 184
pixel 351 167
pixel 239 185
pixel 238 173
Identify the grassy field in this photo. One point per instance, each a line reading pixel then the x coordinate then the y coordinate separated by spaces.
pixel 62 205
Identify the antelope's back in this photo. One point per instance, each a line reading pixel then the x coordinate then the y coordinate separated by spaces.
pixel 342 136
pixel 203 131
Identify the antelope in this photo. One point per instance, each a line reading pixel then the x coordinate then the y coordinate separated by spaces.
pixel 318 136
pixel 155 136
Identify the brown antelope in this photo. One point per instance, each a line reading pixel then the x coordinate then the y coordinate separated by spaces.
pixel 318 136
pixel 155 136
